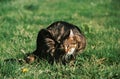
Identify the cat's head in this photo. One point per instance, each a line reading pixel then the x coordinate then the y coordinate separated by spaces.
pixel 72 45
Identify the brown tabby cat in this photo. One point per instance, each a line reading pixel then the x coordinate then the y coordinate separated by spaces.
pixel 60 42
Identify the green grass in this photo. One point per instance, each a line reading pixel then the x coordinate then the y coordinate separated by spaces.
pixel 20 21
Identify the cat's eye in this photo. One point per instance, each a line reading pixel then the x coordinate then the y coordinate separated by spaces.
pixel 67 46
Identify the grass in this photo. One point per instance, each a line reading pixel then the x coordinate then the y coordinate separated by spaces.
pixel 20 21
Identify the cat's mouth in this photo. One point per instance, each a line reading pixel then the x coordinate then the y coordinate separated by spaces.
pixel 69 56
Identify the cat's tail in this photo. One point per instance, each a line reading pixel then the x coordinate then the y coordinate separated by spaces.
pixel 28 58
pixel 15 60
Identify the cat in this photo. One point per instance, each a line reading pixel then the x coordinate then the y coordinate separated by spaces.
pixel 60 42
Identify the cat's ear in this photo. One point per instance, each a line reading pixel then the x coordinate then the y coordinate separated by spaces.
pixel 71 33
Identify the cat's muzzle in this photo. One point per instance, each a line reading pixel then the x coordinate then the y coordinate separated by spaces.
pixel 68 58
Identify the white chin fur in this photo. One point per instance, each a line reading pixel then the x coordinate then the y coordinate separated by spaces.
pixel 70 52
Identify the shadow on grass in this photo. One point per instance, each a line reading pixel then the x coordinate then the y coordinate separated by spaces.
pixel 8 69
pixel 115 4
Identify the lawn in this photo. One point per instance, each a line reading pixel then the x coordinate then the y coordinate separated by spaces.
pixel 21 20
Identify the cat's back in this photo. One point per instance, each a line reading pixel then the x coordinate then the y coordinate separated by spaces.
pixel 61 29
pixel 58 25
